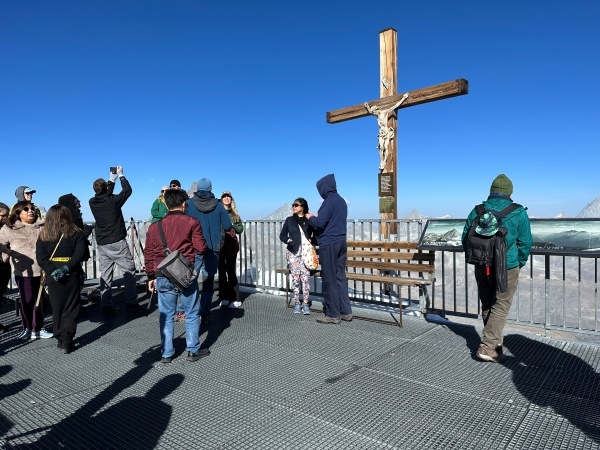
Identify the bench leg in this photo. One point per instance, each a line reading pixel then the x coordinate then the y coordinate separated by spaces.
pixel 424 300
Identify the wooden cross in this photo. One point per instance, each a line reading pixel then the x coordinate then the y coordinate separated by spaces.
pixel 388 66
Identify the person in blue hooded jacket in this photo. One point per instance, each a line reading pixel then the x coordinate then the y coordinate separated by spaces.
pixel 330 226
pixel 495 304
pixel 214 221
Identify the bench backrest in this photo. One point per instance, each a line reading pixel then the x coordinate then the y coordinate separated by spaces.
pixel 390 255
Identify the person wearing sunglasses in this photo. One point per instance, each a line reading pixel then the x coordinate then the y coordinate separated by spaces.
pixel 17 240
pixel 159 208
pixel 290 234
pixel 25 194
pixel 229 290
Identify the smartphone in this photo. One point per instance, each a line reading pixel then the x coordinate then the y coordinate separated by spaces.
pixel 113 170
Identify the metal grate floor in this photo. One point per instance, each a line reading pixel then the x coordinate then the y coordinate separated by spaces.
pixel 278 380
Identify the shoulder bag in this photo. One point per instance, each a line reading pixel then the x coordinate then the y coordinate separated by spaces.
pixel 175 266
pixel 309 254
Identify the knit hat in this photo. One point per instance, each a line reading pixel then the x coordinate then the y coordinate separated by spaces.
pixel 502 185
pixel 204 184
pixel 175 183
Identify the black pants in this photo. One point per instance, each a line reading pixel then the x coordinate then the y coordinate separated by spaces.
pixel 65 301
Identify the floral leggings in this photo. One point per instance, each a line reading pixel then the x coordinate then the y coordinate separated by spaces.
pixel 300 275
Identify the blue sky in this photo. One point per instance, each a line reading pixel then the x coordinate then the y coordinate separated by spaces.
pixel 237 92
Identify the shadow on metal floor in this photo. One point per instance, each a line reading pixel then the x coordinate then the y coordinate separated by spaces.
pixel 280 380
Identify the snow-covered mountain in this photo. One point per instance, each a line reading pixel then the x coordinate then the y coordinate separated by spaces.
pixel 281 213
pixel 591 210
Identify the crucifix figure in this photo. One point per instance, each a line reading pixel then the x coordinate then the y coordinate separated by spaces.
pixel 384 109
pixel 386 133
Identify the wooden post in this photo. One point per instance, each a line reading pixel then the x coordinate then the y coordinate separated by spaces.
pixel 388 84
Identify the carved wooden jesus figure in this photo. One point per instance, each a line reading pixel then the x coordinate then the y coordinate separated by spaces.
pixel 386 133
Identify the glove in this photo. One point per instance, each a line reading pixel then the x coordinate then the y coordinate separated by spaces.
pixel 120 172
pixel 113 177
pixel 60 273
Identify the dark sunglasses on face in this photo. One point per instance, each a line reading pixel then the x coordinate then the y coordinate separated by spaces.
pixel 228 196
pixel 296 205
pixel 174 186
pixel 28 208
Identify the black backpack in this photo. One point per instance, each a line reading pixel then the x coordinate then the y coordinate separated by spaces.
pixel 489 251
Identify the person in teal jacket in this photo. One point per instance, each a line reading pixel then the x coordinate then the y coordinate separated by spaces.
pixel 494 303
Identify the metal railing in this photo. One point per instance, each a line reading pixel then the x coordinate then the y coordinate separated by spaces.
pixel 555 291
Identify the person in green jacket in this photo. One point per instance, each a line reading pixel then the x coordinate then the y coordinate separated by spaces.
pixel 495 304
pixel 159 208
pixel 229 290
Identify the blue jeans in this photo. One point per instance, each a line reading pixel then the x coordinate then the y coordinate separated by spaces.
pixel 167 300
pixel 206 266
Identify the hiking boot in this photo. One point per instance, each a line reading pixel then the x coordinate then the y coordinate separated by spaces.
pixel 200 354
pixel 297 308
pixel 305 309
pixel 488 354
pixel 327 319
pixel 346 317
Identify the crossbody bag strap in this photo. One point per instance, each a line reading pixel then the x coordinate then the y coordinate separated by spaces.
pixel 302 235
pixel 57 244
pixel 162 238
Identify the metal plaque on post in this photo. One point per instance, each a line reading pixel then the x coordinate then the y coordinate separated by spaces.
pixel 387 205
pixel 386 185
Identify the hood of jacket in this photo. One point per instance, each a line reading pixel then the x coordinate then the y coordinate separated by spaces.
pixel 326 185
pixel 68 200
pixel 205 201
pixel 19 193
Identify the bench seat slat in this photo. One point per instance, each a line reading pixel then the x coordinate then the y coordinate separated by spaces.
pixel 404 256
pixel 401 267
pixel 387 279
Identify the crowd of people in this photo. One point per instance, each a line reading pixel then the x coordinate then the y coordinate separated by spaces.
pixel 46 252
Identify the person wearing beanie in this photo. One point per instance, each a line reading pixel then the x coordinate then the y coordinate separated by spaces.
pixel 175 184
pixel 229 291
pixel 502 185
pixel 496 304
pixel 214 221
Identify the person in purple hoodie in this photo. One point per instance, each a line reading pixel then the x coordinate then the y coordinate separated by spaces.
pixel 330 226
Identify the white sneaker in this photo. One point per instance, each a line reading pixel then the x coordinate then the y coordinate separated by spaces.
pixel 42 334
pixel 235 305
pixel 224 303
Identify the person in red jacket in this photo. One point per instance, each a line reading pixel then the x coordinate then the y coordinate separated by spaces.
pixel 183 233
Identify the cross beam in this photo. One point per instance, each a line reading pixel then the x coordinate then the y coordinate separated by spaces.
pixel 416 97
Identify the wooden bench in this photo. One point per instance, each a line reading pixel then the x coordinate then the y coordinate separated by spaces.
pixel 386 262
